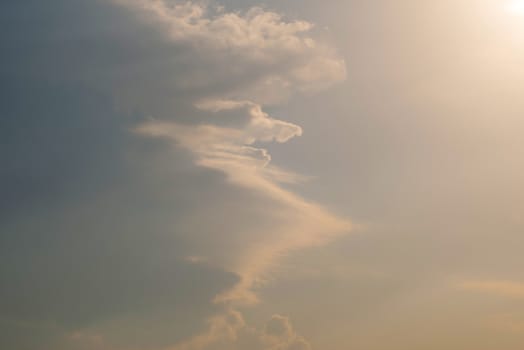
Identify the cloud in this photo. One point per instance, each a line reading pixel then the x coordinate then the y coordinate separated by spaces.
pixel 230 331
pixel 264 55
pixel 507 289
pixel 279 333
pixel 279 327
pixel 295 222
pixel 262 43
pixel 253 55
pixel 229 148
pixel 138 180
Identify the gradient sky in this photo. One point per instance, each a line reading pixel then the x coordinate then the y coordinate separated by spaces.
pixel 262 175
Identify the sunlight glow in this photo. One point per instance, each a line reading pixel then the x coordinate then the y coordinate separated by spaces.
pixel 516 7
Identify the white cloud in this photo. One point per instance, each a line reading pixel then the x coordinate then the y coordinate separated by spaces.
pixel 255 55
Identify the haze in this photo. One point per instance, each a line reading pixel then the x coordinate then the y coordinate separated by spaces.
pixel 262 175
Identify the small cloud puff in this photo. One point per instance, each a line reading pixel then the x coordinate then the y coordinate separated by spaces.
pixel 229 331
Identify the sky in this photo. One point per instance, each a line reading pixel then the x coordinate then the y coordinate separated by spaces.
pixel 262 175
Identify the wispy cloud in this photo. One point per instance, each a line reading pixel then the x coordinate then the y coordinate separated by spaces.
pixel 242 61
pixel 230 331
pixel 298 223
pixel 275 50
pixel 200 78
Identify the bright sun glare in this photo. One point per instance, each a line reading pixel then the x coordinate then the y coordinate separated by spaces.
pixel 516 7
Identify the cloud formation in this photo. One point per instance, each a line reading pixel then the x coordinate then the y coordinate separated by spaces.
pixel 296 223
pixel 155 89
pixel 253 55
pixel 271 58
pixel 230 331
pixel 261 42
